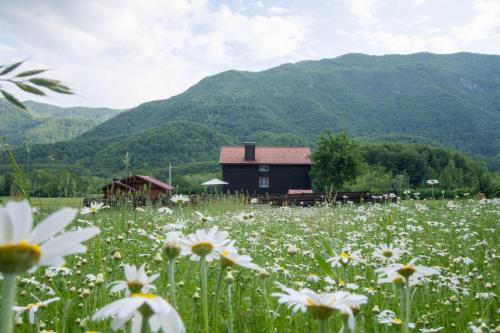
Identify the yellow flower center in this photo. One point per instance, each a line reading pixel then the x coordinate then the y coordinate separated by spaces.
pixel 397 321
pixel 93 209
pixel 30 306
pixel 225 260
pixel 142 295
pixel 407 270
pixel 387 253
pixel 17 258
pixel 345 258
pixel 202 249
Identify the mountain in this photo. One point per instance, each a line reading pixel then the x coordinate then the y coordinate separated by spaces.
pixel 45 123
pixel 446 100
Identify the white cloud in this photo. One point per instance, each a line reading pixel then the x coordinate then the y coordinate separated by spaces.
pixel 364 11
pixel 482 25
pixel 123 52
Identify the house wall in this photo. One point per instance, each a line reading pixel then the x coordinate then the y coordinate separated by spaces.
pixel 245 178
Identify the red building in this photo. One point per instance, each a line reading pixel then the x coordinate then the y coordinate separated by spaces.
pixel 138 186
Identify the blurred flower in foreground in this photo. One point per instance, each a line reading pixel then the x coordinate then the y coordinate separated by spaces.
pixel 139 307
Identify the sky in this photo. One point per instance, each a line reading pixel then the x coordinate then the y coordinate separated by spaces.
pixel 121 53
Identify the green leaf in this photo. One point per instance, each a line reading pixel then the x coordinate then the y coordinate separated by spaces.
pixel 53 85
pixel 327 247
pixel 29 89
pixel 30 73
pixel 10 68
pixel 42 82
pixel 61 89
pixel 20 179
pixel 324 265
pixel 13 100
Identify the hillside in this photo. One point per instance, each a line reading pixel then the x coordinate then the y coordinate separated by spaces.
pixel 448 100
pixel 45 123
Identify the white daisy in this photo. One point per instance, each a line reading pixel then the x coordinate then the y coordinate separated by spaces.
pixel 33 308
pixel 321 306
pixel 53 271
pixel 204 243
pixel 229 256
pixel 172 244
pixel 179 199
pixel 395 273
pixel 94 208
pixel 136 281
pixel 160 313
pixel 345 258
pixel 165 211
pixel 387 253
pixel 204 218
pixel 23 247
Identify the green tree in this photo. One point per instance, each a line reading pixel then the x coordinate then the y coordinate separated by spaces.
pixel 336 160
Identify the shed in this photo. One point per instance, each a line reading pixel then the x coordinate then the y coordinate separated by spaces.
pixel 138 186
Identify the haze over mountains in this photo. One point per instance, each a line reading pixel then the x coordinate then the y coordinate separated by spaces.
pixel 450 100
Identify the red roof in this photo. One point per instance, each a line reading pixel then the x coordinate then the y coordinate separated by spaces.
pixel 156 182
pixel 266 155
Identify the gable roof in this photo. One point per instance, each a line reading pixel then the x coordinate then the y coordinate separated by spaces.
pixel 266 155
pixel 119 184
pixel 156 182
pixel 124 183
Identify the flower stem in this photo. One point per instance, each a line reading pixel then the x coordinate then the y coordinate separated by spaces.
pixel 204 291
pixel 216 300
pixel 268 309
pixel 8 297
pixel 144 324
pixel 230 308
pixel 322 325
pixel 171 281
pixel 406 322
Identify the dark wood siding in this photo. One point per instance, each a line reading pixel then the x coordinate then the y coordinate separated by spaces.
pixel 245 178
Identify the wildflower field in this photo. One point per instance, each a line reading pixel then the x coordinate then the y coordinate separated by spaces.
pixel 420 266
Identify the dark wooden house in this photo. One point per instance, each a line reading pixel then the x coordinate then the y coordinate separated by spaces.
pixel 265 170
pixel 139 187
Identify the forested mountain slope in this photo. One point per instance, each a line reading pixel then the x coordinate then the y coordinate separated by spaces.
pixel 45 123
pixel 448 100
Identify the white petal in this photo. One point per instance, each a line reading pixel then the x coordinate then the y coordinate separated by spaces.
pixel 6 227
pixel 21 216
pixel 59 243
pixel 52 225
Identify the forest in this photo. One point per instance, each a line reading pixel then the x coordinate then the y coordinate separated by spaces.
pixel 386 167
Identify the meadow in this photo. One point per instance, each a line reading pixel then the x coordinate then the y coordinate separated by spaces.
pixel 326 248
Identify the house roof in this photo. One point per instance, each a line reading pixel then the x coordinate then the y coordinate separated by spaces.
pixel 147 179
pixel 156 182
pixel 119 184
pixel 266 155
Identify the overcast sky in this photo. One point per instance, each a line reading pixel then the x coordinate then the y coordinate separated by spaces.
pixel 120 53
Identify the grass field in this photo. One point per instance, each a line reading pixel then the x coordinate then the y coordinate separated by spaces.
pixel 458 237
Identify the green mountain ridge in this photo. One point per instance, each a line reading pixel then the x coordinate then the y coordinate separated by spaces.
pixel 45 123
pixel 446 100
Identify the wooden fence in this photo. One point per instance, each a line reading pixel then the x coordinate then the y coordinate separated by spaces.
pixel 276 200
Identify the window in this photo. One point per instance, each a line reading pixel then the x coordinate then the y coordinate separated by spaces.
pixel 264 168
pixel 264 182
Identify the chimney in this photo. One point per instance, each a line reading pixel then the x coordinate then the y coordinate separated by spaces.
pixel 249 151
